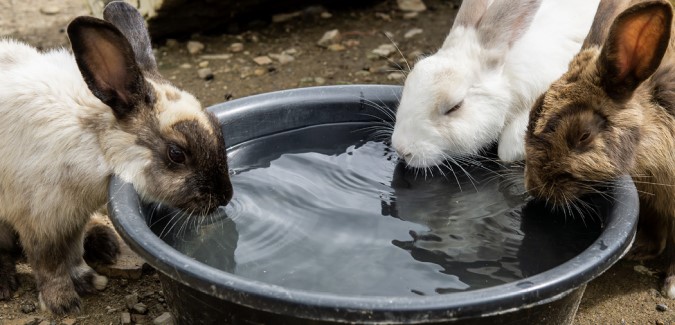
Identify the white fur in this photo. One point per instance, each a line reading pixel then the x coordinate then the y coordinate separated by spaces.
pixel 53 169
pixel 496 100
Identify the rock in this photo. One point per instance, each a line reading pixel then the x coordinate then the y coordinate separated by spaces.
pixel 186 66
pixel 396 76
pixel 280 18
pixel 109 310
pixel 140 308
pixel 411 5
pixel 203 64
pixel 283 58
pixel 383 16
pixel 319 81
pixel 336 47
pixel 259 72
pixel 69 321
pixel 351 43
pixel 411 33
pixel 50 10
pixel 660 322
pixel 643 270
pixel 661 307
pixel 194 47
pixel 262 60
pixel 225 56
pixel 384 50
pixel 205 73
pixel 27 308
pixel 326 15
pixel 291 51
pixel 130 300
pixel 163 319
pixel 125 318
pixel 410 15
pixel 329 37
pixel 236 47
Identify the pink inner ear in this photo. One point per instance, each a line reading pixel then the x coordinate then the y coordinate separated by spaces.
pixel 638 40
pixel 108 66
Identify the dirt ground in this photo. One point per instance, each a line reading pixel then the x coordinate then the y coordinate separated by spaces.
pixel 626 294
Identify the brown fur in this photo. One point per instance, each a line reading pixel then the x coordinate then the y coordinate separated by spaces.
pixel 612 114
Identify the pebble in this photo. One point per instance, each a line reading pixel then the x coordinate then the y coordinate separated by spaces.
pixel 69 321
pixel 351 43
pixel 643 269
pixel 395 76
pixel 259 72
pixel 410 15
pixel 280 18
pixel 195 47
pixel 411 5
pixel 383 16
pixel 329 37
pixel 140 308
pixel 186 66
pixel 411 33
pixel 236 47
pixel 203 64
pixel 660 322
pixel 125 318
pixel 319 81
pixel 50 10
pixel 130 300
pixel 205 73
pixel 109 310
pixel 661 307
pixel 262 60
pixel 384 50
pixel 326 15
pixel 336 47
pixel 27 308
pixel 163 319
pixel 283 58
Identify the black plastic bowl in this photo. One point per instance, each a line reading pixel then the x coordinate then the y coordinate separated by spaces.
pixel 200 294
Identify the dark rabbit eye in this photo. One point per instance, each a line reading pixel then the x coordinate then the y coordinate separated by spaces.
pixel 176 155
pixel 584 136
pixel 454 108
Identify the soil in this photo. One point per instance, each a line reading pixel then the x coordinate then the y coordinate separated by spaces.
pixel 626 294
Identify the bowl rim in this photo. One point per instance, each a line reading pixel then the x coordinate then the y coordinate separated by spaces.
pixel 125 206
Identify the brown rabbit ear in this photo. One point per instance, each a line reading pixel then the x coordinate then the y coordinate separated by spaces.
pixel 636 43
pixel 131 24
pixel 106 61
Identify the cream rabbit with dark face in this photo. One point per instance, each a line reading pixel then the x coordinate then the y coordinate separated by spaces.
pixel 70 121
pixel 613 113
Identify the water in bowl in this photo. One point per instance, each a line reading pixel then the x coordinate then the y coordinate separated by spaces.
pixel 322 209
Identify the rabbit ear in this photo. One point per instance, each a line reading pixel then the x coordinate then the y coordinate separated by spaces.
pixel 636 43
pixel 505 22
pixel 130 22
pixel 470 13
pixel 106 61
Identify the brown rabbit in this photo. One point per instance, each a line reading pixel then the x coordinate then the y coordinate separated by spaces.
pixel 611 113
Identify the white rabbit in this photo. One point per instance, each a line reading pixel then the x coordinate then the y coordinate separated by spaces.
pixel 68 122
pixel 478 88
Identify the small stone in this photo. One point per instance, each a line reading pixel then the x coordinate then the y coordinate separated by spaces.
pixel 351 43
pixel 259 72
pixel 395 76
pixel 643 270
pixel 109 310
pixel 410 15
pixel 27 308
pixel 205 74
pixel 125 318
pixel 280 18
pixel 130 300
pixel 195 47
pixel 262 60
pixel 163 319
pixel 291 51
pixel 236 47
pixel 411 5
pixel 186 66
pixel 660 322
pixel 326 15
pixel 383 16
pixel 661 307
pixel 283 58
pixel 329 37
pixel 319 81
pixel 140 308
pixel 203 64
pixel 411 33
pixel 50 10
pixel 336 47
pixel 69 321
pixel 384 50
pixel 306 81
pixel 171 42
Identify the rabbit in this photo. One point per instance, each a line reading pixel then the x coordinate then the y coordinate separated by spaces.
pixel 69 122
pixel 613 113
pixel 499 56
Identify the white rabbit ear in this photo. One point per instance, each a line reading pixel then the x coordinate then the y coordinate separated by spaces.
pixel 132 25
pixel 470 13
pixel 505 22
pixel 106 61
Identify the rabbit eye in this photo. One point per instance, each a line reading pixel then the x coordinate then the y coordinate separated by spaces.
pixel 175 154
pixel 453 108
pixel 584 136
